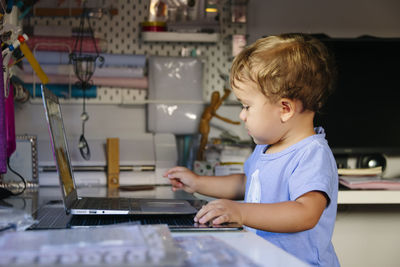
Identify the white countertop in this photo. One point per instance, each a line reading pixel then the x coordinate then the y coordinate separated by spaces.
pixel 256 248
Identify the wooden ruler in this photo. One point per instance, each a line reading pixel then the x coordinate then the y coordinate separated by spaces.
pixel 112 163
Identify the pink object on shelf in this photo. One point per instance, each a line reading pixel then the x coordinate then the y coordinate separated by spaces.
pixel 375 183
pixel 10 122
pixel 47 43
pixel 3 141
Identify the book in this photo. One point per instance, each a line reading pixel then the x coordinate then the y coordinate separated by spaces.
pixel 361 171
pixel 370 182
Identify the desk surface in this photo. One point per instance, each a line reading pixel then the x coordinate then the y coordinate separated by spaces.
pixel 256 248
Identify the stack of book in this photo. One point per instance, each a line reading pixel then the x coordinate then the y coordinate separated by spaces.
pixel 367 178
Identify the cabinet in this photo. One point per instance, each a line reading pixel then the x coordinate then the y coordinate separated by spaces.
pixel 368 235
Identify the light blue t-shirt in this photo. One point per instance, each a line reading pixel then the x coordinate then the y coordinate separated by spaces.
pixel 306 166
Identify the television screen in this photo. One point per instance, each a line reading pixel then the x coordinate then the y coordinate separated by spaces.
pixel 363 114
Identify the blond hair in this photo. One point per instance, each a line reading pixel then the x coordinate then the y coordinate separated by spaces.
pixel 294 66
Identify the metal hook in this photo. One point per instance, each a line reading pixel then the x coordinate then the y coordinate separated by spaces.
pixel 224 77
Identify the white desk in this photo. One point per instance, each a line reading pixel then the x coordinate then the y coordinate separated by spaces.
pixel 256 248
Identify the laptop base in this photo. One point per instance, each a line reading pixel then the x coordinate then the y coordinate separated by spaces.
pixel 54 217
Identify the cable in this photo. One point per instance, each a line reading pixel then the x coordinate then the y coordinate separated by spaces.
pixel 19 175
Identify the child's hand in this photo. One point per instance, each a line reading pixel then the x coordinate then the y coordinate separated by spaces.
pixel 220 211
pixel 182 178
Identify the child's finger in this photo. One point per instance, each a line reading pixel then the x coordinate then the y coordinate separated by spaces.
pixel 200 213
pixel 221 219
pixel 205 214
pixel 176 183
pixel 174 169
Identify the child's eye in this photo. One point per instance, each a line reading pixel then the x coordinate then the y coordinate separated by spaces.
pixel 245 107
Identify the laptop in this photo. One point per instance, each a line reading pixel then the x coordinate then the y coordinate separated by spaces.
pixel 96 205
pixel 93 210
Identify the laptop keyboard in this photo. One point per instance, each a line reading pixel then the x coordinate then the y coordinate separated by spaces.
pixel 51 218
pixel 93 220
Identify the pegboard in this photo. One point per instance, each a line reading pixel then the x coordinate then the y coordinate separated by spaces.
pixel 122 33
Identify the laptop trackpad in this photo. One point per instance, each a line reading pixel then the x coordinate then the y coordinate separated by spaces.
pixel 164 206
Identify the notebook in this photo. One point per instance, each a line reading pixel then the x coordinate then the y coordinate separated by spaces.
pixel 92 209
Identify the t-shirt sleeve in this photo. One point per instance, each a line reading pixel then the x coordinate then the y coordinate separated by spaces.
pixel 315 171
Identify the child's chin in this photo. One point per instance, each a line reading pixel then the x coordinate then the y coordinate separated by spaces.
pixel 258 142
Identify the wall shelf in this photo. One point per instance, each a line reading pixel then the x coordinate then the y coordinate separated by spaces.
pixel 180 37
pixel 106 95
pixel 130 39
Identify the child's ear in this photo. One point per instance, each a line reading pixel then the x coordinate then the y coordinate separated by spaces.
pixel 288 109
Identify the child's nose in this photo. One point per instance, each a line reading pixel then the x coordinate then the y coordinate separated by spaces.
pixel 242 115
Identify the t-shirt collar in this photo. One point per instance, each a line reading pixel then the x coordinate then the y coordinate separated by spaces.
pixel 319 134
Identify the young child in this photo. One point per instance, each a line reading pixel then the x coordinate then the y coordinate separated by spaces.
pixel 290 183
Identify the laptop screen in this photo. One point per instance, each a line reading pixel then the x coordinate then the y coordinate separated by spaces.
pixel 58 140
